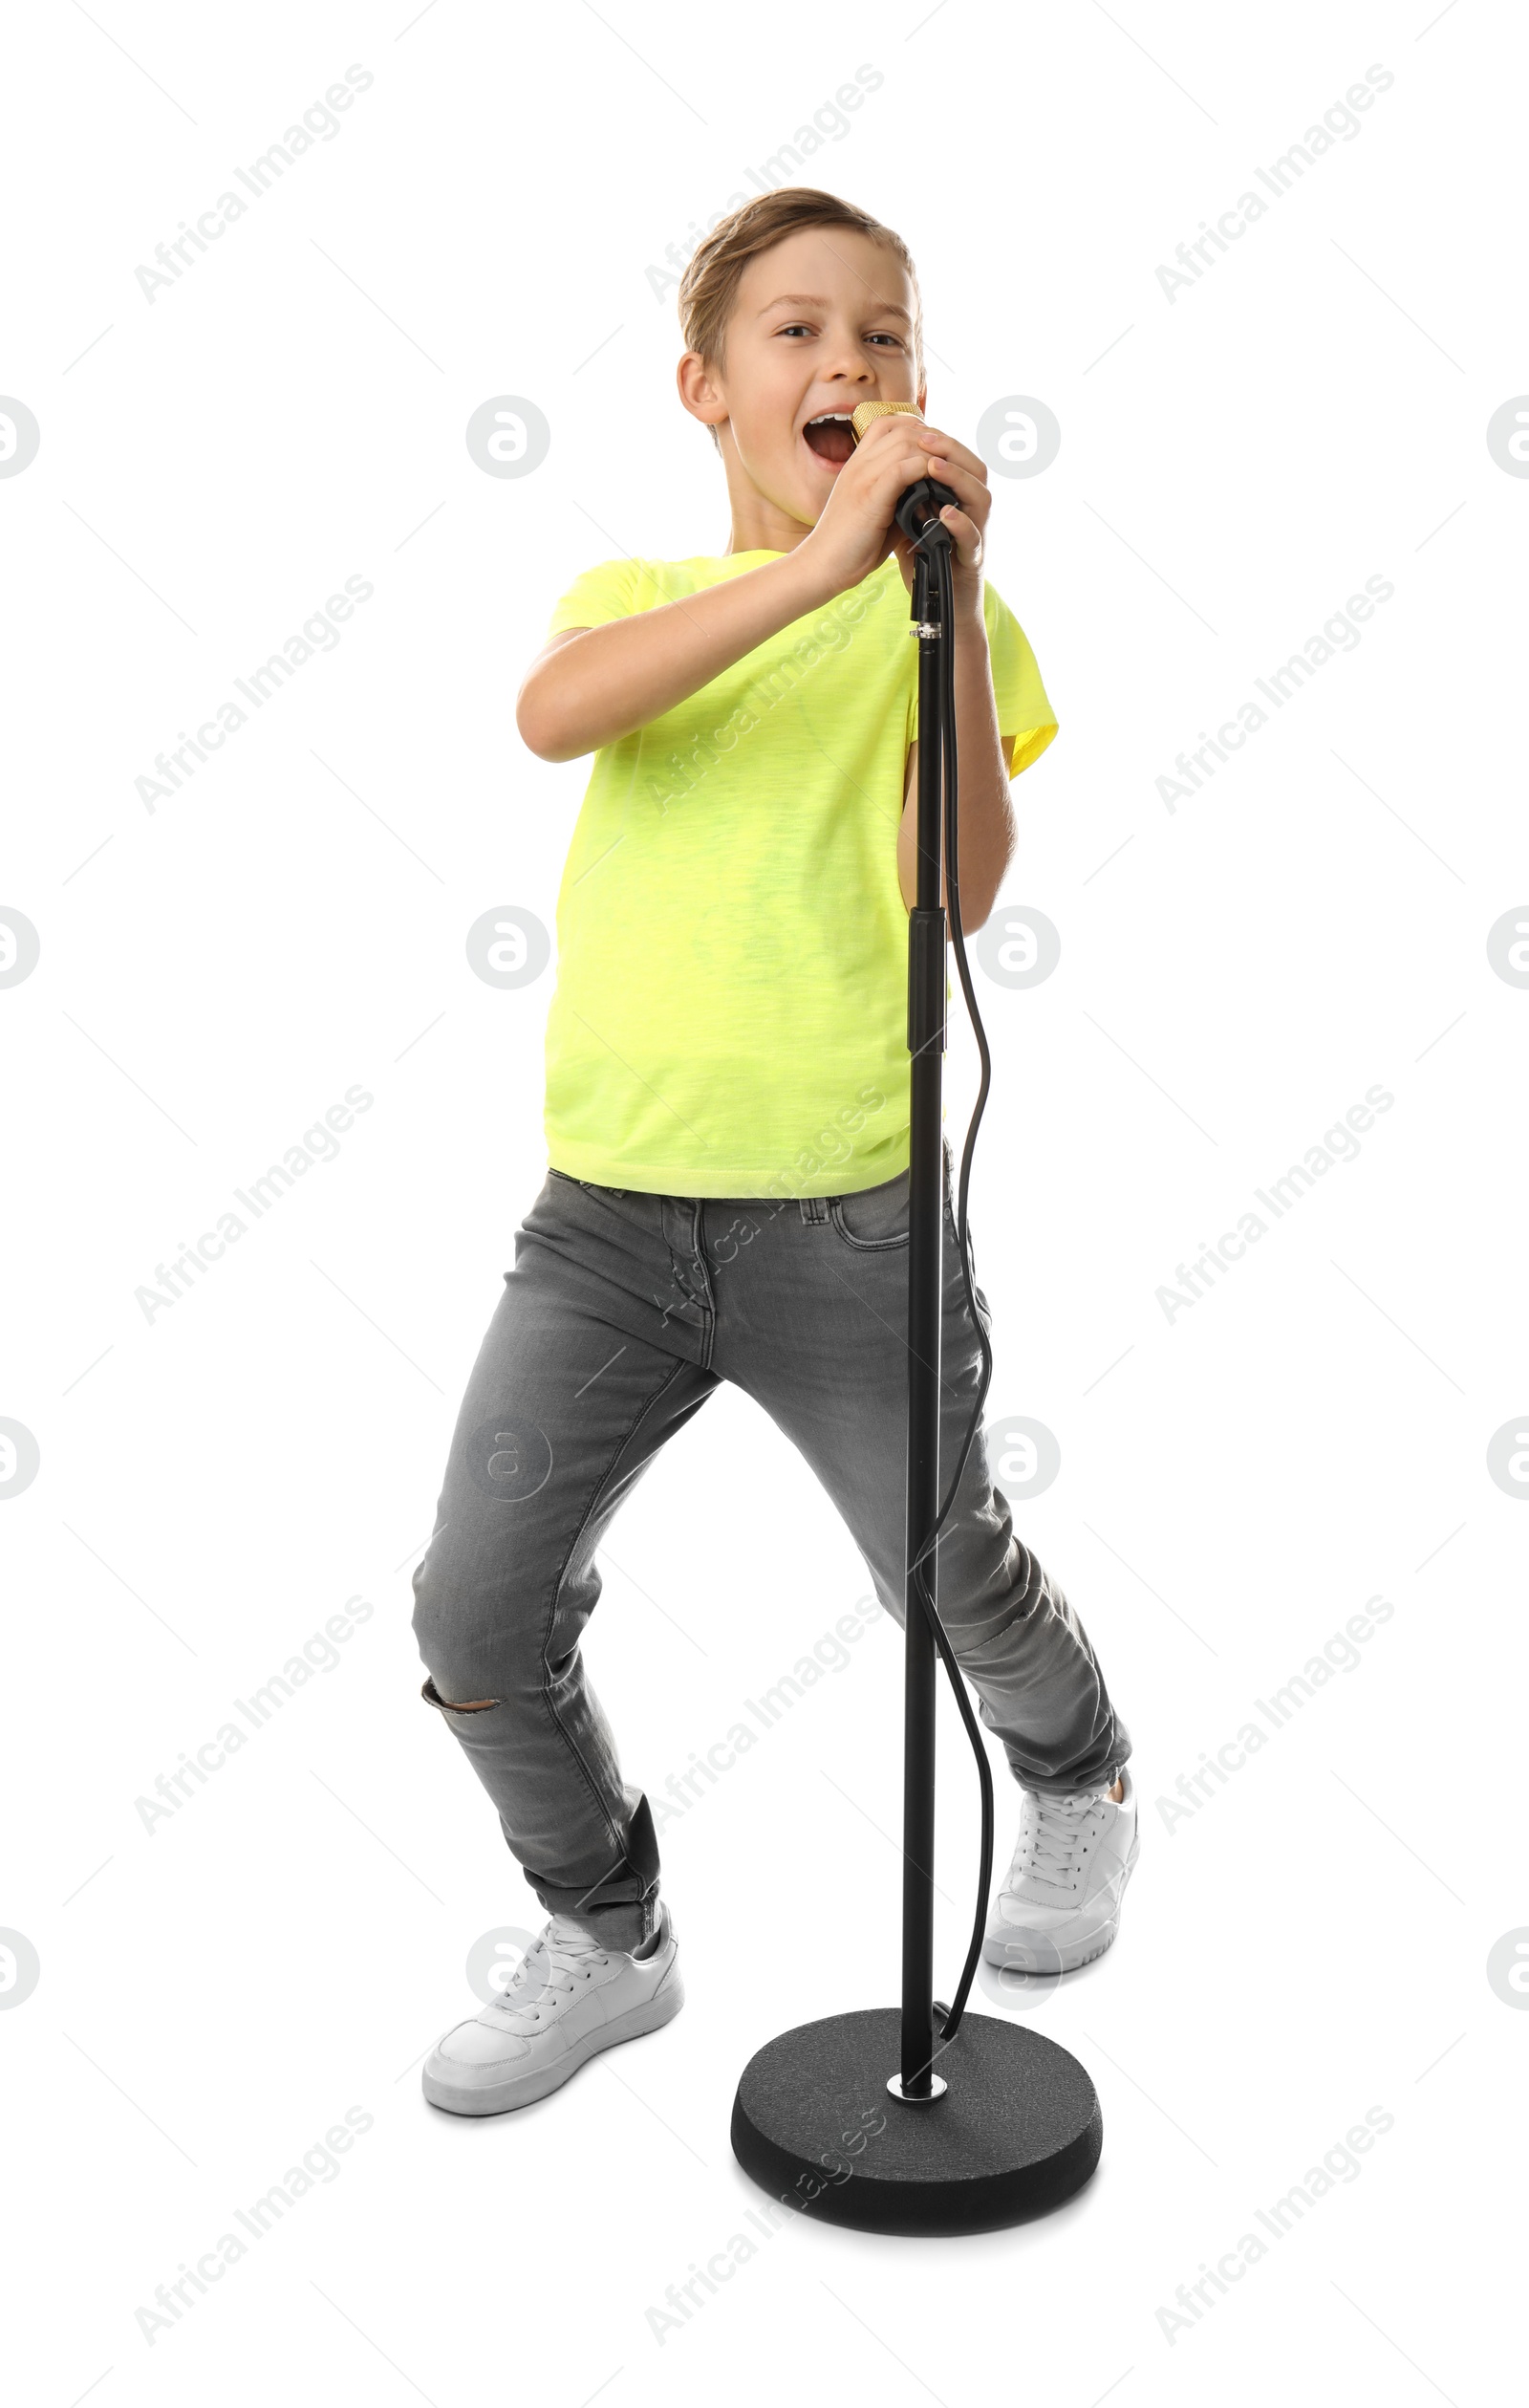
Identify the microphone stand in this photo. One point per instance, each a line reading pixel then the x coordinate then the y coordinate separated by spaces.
pixel 848 2119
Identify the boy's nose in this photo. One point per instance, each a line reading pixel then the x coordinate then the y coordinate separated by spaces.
pixel 849 385
pixel 844 361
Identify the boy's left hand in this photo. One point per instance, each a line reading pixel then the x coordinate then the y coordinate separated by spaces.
pixel 950 463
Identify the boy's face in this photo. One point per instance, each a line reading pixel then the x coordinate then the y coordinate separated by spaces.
pixel 821 322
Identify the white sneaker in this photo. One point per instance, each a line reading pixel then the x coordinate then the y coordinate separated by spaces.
pixel 567 2000
pixel 1061 1904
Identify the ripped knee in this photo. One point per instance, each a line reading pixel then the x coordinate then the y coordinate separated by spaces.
pixel 454 1706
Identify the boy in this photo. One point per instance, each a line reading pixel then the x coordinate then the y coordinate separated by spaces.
pixel 727 1130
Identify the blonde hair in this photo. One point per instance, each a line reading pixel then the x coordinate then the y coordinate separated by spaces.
pixel 708 289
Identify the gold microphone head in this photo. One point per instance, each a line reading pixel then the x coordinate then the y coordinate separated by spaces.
pixel 868 411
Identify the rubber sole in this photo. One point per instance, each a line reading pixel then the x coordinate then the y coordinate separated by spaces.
pixel 501 2099
pixel 993 1954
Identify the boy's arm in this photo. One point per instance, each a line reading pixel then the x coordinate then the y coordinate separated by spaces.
pixel 987 835
pixel 985 826
pixel 592 686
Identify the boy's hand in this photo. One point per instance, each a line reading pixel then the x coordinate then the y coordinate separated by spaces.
pixel 856 530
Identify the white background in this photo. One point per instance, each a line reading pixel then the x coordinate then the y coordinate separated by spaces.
pixel 217 1482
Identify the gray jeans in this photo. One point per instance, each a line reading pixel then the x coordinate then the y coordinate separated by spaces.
pixel 624 1310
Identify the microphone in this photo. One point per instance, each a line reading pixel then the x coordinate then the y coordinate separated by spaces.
pixel 919 504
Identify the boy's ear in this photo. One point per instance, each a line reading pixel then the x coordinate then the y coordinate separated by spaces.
pixel 700 389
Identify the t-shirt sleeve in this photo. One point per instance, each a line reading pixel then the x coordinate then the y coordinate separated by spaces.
pixel 606 592
pixel 1025 719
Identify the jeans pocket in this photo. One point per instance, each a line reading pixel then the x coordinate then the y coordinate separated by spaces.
pixel 872 1219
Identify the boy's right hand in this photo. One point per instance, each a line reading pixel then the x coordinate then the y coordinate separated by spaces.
pixel 856 530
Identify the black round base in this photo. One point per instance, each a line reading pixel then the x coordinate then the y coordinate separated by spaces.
pixel 1017 2133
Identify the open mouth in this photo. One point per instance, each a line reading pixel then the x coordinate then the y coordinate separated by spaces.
pixel 831 436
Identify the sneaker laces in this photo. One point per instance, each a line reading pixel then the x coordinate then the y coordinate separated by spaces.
pixel 1053 1825
pixel 567 1956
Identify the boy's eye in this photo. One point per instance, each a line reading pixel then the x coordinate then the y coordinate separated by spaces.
pixel 798 327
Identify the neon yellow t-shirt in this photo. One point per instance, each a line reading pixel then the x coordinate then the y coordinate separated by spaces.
pixel 731 1016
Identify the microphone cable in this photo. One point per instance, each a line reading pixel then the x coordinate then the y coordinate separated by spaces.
pixel 939 557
